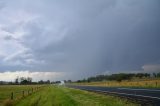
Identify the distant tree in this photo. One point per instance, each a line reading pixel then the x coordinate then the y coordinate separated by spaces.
pixel 17 80
pixel 48 81
pixel 158 75
pixel 79 81
pixel 24 80
pixel 147 75
pixel 154 75
pixel 69 81
pixel 57 82
pixel 41 82
pixel 29 79
pixel 117 77
pixel 140 75
pixel 64 81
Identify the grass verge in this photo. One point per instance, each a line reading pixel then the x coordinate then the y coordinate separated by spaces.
pixel 62 96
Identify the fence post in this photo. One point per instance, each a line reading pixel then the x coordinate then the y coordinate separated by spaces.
pixel 156 83
pixel 11 95
pixel 22 93
pixel 32 90
pixel 28 92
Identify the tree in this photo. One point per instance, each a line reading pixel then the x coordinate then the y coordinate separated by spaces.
pixel 17 80
pixel 154 75
pixel 24 80
pixel 41 82
pixel 48 81
pixel 29 79
pixel 158 75
pixel 69 81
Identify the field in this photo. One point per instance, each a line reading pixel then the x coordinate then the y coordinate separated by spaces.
pixel 17 90
pixel 61 96
pixel 144 83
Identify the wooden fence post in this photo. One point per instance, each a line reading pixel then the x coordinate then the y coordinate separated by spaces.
pixel 22 93
pixel 156 83
pixel 11 95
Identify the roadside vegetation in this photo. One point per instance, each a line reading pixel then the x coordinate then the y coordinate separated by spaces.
pixel 140 80
pixel 62 96
pixel 137 83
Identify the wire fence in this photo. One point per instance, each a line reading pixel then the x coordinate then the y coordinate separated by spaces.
pixel 23 93
pixel 9 92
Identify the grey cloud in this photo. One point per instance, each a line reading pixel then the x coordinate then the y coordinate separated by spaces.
pixel 84 38
pixel 8 37
pixel 2 4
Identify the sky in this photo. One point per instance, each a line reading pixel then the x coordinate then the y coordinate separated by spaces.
pixel 75 39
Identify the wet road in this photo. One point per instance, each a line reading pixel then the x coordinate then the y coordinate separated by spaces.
pixel 144 96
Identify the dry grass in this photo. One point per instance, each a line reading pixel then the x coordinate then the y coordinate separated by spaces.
pixel 145 83
pixel 8 102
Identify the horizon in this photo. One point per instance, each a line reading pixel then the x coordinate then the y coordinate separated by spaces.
pixel 25 77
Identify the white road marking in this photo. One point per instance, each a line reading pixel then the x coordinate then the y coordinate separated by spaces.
pixel 140 89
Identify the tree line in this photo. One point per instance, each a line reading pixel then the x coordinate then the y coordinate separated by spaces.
pixel 24 81
pixel 28 80
pixel 119 77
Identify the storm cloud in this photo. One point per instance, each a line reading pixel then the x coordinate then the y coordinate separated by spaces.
pixel 79 38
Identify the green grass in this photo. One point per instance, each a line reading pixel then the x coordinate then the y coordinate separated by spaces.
pixel 62 96
pixel 5 91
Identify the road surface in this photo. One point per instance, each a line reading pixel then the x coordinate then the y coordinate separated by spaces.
pixel 143 96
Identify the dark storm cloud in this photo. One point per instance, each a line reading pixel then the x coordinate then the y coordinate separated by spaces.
pixel 84 38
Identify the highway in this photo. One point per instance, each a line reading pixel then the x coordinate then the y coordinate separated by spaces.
pixel 145 97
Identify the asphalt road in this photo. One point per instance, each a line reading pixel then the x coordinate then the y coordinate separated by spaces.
pixel 143 96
